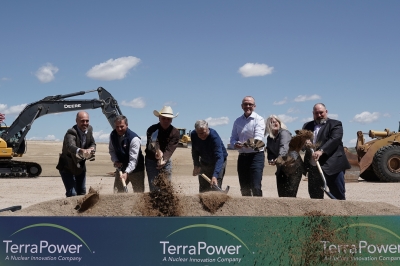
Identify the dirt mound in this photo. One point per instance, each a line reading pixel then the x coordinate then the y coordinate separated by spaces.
pixel 123 204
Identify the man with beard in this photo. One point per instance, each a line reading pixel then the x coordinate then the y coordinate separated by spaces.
pixel 329 152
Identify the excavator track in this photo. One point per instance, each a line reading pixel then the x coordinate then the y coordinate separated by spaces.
pixel 11 169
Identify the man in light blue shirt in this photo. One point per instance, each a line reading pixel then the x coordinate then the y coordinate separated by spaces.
pixel 250 164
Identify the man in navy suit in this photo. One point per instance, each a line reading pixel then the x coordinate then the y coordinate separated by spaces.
pixel 329 152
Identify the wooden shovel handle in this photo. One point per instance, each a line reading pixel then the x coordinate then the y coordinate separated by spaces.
pixel 122 180
pixel 206 178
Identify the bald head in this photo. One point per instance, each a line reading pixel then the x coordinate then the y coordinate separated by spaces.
pixel 320 112
pixel 82 120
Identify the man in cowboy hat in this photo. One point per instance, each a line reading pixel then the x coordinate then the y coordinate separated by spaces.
pixel 158 155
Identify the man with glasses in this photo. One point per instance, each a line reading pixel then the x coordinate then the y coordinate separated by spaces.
pixel 250 163
pixel 78 146
pixel 208 154
pixel 158 159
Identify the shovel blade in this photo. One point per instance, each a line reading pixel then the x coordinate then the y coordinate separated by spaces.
pixel 329 194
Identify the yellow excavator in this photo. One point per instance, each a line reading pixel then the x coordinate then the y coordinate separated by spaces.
pixel 184 139
pixel 12 138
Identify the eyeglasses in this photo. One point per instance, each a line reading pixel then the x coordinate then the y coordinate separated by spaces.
pixel 248 104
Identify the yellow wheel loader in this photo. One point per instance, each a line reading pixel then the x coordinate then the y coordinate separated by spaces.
pixel 379 159
pixel 184 139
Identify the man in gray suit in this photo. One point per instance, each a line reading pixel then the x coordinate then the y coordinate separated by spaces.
pixel 330 153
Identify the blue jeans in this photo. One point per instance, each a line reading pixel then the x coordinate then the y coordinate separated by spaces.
pixel 250 168
pixel 153 172
pixel 74 184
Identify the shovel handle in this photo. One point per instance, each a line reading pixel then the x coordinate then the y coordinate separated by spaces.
pixel 122 180
pixel 206 178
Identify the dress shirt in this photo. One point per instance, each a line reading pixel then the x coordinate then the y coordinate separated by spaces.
pixel 245 128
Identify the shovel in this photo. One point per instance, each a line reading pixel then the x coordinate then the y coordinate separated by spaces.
pixel 13 208
pixel 154 144
pixel 254 144
pixel 123 181
pixel 325 187
pixel 215 186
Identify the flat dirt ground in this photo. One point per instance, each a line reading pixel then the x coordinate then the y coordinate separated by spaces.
pixel 45 195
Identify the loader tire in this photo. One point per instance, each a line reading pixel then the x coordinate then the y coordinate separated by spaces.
pixel 386 163
pixel 369 175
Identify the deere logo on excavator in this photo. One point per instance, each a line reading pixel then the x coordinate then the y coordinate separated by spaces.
pixel 72 105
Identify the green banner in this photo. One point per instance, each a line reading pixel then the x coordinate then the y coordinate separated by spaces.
pixel 308 240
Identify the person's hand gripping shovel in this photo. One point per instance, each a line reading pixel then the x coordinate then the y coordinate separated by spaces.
pixel 325 187
pixel 155 146
pixel 122 179
pixel 213 185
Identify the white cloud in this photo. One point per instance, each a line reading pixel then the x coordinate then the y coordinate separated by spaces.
pixel 286 118
pixel 386 115
pixel 303 98
pixel 100 135
pixel 354 141
pixel 292 110
pixel 308 119
pixel 169 103
pixel 5 79
pixel 113 69
pixel 281 102
pixel 255 70
pixel 46 73
pixel 366 117
pixel 217 121
pixel 51 137
pixel 13 110
pixel 135 103
pixel 333 116
pixel 48 137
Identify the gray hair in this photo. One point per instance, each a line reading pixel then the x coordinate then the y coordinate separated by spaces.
pixel 201 124
pixel 120 118
pixel 268 129
pixel 315 105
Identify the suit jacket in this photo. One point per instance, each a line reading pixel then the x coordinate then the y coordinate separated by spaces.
pixel 72 141
pixel 329 139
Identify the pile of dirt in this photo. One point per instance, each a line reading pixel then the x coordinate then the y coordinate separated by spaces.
pixel 207 204
pixel 166 202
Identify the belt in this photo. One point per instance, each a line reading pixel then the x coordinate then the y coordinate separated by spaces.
pixel 248 154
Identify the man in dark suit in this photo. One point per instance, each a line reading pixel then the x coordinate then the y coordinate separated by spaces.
pixel 329 152
pixel 78 146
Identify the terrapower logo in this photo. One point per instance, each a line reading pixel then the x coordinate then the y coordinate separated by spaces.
pixel 203 251
pixel 44 249
pixel 365 249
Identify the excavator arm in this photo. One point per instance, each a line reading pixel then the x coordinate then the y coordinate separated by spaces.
pixel 12 141
pixel 17 132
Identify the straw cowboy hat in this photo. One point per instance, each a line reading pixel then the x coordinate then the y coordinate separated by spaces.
pixel 166 111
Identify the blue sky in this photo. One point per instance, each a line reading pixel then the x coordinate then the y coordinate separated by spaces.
pixel 202 58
